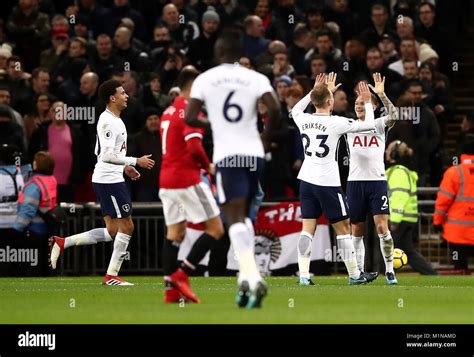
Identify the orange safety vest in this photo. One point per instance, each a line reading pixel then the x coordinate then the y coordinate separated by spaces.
pixel 49 191
pixel 454 207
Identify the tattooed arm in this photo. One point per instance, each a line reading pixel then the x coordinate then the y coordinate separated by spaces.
pixel 378 88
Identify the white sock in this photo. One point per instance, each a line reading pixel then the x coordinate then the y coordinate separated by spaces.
pixel 118 255
pixel 386 247
pixel 243 244
pixel 90 237
pixel 249 224
pixel 347 252
pixel 304 253
pixel 360 251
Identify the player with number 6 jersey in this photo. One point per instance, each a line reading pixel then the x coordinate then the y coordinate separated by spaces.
pixel 367 191
pixel 230 93
pixel 320 187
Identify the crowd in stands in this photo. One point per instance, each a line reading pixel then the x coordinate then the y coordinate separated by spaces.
pixel 55 54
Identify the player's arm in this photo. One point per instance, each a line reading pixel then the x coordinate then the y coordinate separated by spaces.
pixel 107 139
pixel 193 109
pixel 379 89
pixel 299 108
pixel 273 105
pixel 194 145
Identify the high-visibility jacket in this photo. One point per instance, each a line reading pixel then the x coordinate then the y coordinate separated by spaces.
pixel 402 192
pixel 38 194
pixel 454 207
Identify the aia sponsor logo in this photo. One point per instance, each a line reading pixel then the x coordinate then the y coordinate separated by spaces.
pixel 365 141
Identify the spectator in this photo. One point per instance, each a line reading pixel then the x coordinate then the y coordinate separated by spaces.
pixel 10 132
pixel 173 93
pixel 340 13
pixel 454 206
pixel 50 57
pixel 282 84
pixel 5 54
pixel 128 54
pixel 119 10
pixel 69 90
pixel 302 42
pixel 201 50
pixel 429 30
pixel 161 40
pixel 266 58
pixel 410 73
pixel 380 26
pixel 82 29
pixel 302 83
pixel 95 14
pixel 147 141
pixel 29 29
pixel 407 50
pixel 375 64
pixel 402 190
pixel 282 66
pixel 153 96
pixel 428 137
pixel 246 62
pixel 181 33
pixel 254 41
pixel 318 65
pixel 18 81
pixel 185 10
pixel 103 61
pixel 315 23
pixel 77 50
pixel 325 47
pixel 38 196
pixel 388 47
pixel 5 101
pixel 467 132
pixel 280 28
pixel 38 115
pixel 262 10
pixel 170 67
pixel 136 43
pixel 66 147
pixel 341 105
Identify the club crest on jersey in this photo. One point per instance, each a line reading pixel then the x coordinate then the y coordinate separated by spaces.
pixel 363 141
pixel 108 134
pixel 126 207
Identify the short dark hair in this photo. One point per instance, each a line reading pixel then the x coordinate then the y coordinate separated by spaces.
pixel 410 59
pixel 229 45
pixel 379 7
pixel 108 88
pixel 44 163
pixel 322 33
pixel 414 83
pixel 300 31
pixel 426 3
pixel 37 71
pixel 186 76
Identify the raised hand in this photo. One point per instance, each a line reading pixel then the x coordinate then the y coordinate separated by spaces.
pixel 331 82
pixel 320 79
pixel 364 92
pixel 379 84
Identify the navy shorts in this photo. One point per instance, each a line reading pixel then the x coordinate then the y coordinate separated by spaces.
pixel 366 197
pixel 238 177
pixel 114 199
pixel 316 200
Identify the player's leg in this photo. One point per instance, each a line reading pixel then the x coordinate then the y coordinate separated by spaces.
pixel 386 246
pixel 356 201
pixel 118 206
pixel 310 211
pixel 93 236
pixel 379 207
pixel 200 206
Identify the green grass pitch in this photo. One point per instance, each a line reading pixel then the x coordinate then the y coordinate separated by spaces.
pixel 82 300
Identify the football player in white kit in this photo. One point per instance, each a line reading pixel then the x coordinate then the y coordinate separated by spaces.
pixel 230 93
pixel 367 184
pixel 320 186
pixel 109 185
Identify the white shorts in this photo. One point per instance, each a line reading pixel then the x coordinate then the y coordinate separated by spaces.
pixel 194 204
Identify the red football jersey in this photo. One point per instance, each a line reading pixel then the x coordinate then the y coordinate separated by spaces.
pixel 178 168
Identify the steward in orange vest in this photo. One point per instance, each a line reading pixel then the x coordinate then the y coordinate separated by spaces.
pixel 454 207
pixel 39 194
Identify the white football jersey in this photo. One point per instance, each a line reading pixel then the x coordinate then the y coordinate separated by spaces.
pixel 111 133
pixel 230 93
pixel 320 134
pixel 367 151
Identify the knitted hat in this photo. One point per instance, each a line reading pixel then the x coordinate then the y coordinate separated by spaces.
pixel 211 15
pixel 5 51
pixel 426 52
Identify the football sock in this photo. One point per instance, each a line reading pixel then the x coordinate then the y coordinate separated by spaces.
pixel 386 247
pixel 249 224
pixel 90 237
pixel 304 254
pixel 118 255
pixel 360 251
pixel 347 252
pixel 170 256
pixel 244 245
pixel 198 251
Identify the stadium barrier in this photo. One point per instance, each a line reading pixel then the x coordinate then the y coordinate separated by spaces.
pixel 144 256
